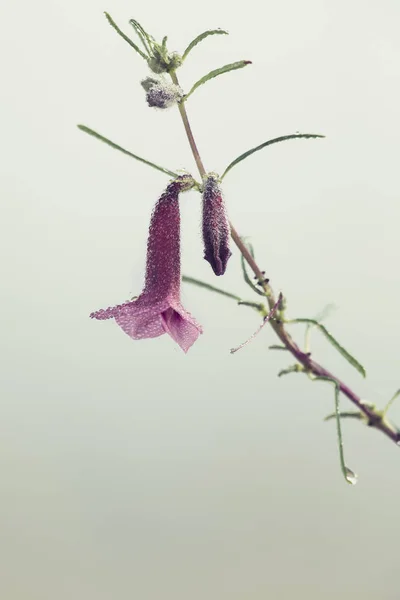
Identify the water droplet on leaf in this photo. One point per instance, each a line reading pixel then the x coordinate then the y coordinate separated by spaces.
pixel 351 477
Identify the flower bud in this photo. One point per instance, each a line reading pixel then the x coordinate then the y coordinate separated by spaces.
pixel 216 230
pixel 149 82
pixel 162 61
pixel 160 93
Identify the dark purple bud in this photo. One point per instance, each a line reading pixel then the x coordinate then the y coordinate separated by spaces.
pixel 161 93
pixel 216 230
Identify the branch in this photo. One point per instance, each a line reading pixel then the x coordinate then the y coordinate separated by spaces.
pixel 374 417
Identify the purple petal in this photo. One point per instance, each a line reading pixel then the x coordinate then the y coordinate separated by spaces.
pixel 137 319
pixel 183 330
pixel 141 319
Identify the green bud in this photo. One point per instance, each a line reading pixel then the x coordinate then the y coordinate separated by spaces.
pixel 163 62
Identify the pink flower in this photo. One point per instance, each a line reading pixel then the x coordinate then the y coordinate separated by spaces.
pixel 216 230
pixel 158 309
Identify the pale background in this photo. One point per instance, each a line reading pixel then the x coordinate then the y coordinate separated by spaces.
pixel 129 470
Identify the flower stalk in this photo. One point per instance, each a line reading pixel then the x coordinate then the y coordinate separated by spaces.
pixel 374 417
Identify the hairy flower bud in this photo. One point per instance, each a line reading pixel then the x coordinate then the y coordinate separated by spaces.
pixel 160 93
pixel 163 62
pixel 149 82
pixel 216 231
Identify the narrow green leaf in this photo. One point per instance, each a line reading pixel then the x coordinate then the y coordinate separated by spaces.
pixel 348 474
pixel 389 404
pixel 277 347
pixel 145 38
pixel 320 317
pixel 200 38
pixel 354 362
pixel 113 145
pixel 125 37
pixel 246 276
pixel 268 143
pixel 351 414
pixel 292 369
pixel 209 287
pixel 237 65
pixel 261 308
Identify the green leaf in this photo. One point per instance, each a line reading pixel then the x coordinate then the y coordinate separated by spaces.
pixel 245 273
pixel 389 404
pixel 146 39
pixel 200 38
pixel 125 37
pixel 350 414
pixel 268 143
pixel 348 474
pixel 261 308
pixel 353 361
pixel 237 65
pixel 113 145
pixel 320 317
pixel 277 347
pixel 209 287
pixel 258 307
pixel 292 369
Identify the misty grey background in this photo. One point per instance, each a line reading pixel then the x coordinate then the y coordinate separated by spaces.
pixel 129 470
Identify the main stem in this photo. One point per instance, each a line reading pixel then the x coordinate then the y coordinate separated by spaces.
pixel 375 418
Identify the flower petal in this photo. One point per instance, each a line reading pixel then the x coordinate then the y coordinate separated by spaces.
pixel 136 320
pixel 183 330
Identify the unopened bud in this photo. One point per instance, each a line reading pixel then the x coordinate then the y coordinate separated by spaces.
pixel 216 230
pixel 160 93
pixel 162 62
pixel 149 82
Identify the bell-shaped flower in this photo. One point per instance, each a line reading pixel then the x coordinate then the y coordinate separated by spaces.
pixel 158 309
pixel 216 230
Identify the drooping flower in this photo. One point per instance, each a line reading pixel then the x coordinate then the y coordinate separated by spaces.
pixel 158 309
pixel 215 225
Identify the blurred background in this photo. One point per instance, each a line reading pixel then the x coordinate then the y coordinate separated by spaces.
pixel 131 470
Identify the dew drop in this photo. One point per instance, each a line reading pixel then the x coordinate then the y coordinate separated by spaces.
pixel 351 477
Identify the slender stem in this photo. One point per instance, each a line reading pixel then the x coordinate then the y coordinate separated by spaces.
pixel 186 124
pixel 376 419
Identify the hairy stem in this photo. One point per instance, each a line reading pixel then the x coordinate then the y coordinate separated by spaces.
pixel 188 129
pixel 376 418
